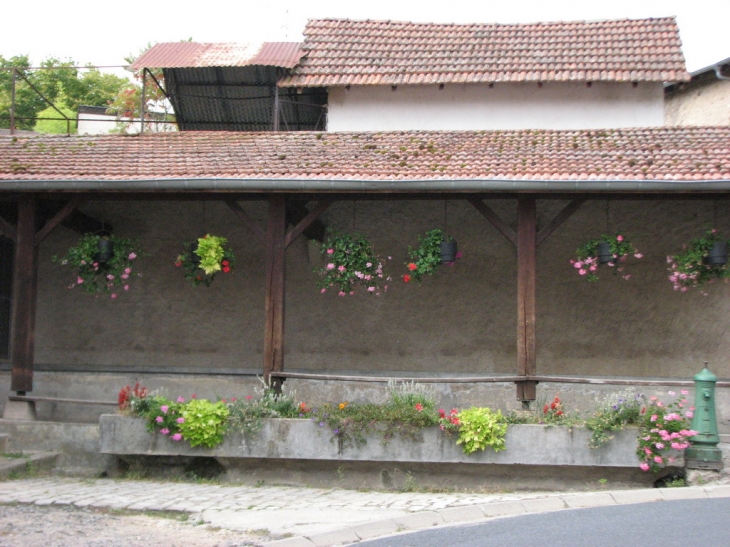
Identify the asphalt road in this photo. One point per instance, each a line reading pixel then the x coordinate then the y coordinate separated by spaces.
pixel 701 522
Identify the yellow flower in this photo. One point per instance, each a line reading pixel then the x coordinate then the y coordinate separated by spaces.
pixel 343 405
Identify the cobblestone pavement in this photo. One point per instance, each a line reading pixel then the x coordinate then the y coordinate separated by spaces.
pixel 309 517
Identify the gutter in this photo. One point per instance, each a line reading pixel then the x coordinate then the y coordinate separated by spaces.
pixel 375 186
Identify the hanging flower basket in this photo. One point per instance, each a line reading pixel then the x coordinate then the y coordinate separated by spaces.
pixel 609 251
pixel 350 262
pixel 435 248
pixel 704 260
pixel 102 263
pixel 204 258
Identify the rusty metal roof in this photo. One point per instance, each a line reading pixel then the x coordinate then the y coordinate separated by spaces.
pixel 199 55
pixel 345 52
pixel 662 154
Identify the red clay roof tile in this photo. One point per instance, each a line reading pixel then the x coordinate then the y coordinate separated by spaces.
pixel 344 52
pixel 667 153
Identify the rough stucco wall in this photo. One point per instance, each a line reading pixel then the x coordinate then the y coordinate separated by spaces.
pixel 461 320
pixel 703 103
pixel 555 105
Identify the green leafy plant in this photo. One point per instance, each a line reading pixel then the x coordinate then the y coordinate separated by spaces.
pixel 246 414
pixel 481 427
pixel 204 258
pixel 663 428
pixel 424 259
pixel 587 262
pixel 689 269
pixel 350 262
pixel 94 276
pixel 614 413
pixel 204 422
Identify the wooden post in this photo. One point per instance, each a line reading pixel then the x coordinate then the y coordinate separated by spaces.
pixel 526 276
pixel 25 276
pixel 274 298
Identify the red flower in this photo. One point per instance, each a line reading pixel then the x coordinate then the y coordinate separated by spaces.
pixel 406 278
pixel 178 263
pixel 419 407
pixel 225 263
pixel 545 409
pixel 226 269
pixel 412 266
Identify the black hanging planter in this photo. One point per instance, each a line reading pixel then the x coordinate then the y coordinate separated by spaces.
pixel 448 251
pixel 718 254
pixel 106 250
pixel 194 257
pixel 605 256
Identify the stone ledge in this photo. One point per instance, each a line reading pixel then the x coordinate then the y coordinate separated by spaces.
pixel 304 440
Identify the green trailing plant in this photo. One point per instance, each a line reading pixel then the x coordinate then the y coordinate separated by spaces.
pixel 246 414
pixel 204 422
pixel 204 258
pixel 351 262
pixel 424 259
pixel 689 269
pixel 587 262
pixel 481 427
pixel 113 276
pixel 614 413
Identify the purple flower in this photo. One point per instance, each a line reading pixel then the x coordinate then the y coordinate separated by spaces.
pixel 165 431
pixel 176 437
pixel 159 419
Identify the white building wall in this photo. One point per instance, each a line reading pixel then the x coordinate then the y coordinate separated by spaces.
pixel 553 105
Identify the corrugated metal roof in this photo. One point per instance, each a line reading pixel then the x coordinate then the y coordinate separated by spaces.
pixel 344 52
pixel 197 55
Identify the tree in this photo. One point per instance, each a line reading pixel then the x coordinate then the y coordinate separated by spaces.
pixel 128 103
pixel 59 82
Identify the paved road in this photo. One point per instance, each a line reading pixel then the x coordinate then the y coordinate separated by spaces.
pixel 324 517
pixel 704 522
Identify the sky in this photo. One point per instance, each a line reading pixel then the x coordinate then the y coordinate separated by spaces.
pixel 87 31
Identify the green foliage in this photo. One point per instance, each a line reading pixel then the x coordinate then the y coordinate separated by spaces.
pixel 689 269
pixel 213 257
pixel 587 263
pixel 204 422
pixel 612 414
pixel 57 125
pixel 350 262
pixel 246 415
pixel 64 86
pixel 424 259
pixel 93 276
pixel 481 427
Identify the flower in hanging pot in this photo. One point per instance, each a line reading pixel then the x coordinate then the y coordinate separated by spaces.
pixel 609 251
pixel 703 261
pixel 435 248
pixel 102 263
pixel 349 263
pixel 204 258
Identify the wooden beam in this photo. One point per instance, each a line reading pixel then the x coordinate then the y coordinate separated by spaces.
pixel 25 275
pixel 306 221
pixel 526 276
pixel 561 217
pixel 494 218
pixel 8 229
pixel 62 215
pixel 247 220
pixel 274 295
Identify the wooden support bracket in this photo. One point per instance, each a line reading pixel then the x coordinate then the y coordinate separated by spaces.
pixel 52 224
pixel 561 217
pixel 306 221
pixel 247 220
pixel 494 218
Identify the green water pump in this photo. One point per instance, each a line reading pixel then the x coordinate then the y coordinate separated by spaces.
pixel 704 454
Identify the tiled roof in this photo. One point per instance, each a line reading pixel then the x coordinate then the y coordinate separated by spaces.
pixel 200 55
pixel 344 52
pixel 659 154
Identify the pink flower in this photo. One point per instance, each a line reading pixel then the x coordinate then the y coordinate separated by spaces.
pixel 644 466
pixel 638 255
pixel 323 291
pixel 578 265
pixel 126 287
pixel 132 256
pixel 79 280
pixel 165 431
pixel 684 392
pixel 654 417
pixel 330 266
pixel 330 251
pixel 658 459
pixel 659 446
pixel 164 409
pixel 127 271
pixel 341 268
pixel 159 419
pixel 114 296
pixel 619 238
pixel 341 293
pixel 176 437
pixel 180 400
pixel 110 277
pixel 689 414
pixel 582 271
pixel 180 420
pixel 371 289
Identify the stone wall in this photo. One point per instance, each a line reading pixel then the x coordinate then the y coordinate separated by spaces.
pixel 704 101
pixel 461 321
